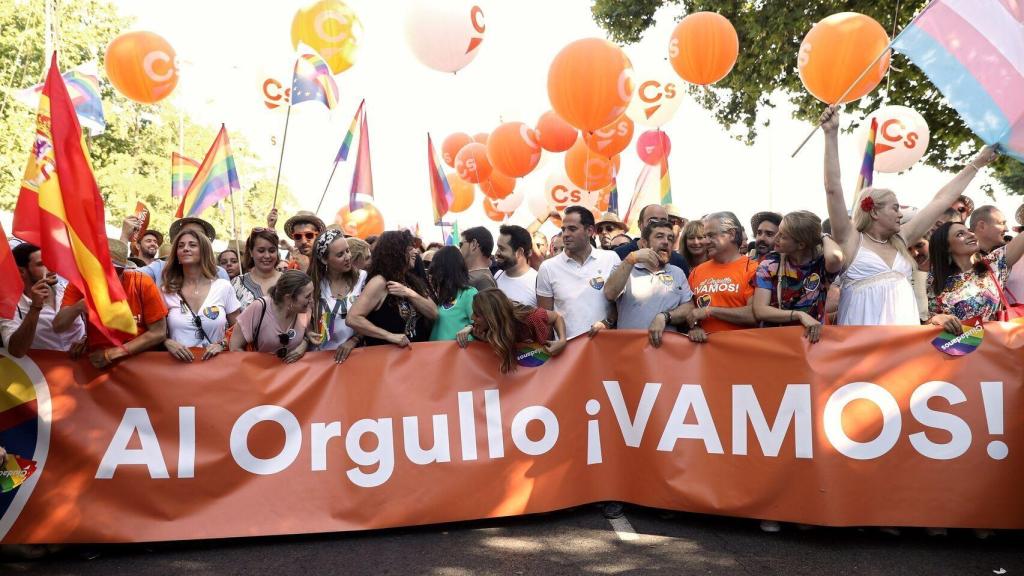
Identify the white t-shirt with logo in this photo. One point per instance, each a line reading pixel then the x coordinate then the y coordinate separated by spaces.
pixel 220 301
pixel 578 289
pixel 522 289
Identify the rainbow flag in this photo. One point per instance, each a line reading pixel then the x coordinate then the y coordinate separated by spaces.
pixel 183 170
pixel 973 51
pixel 652 187
pixel 61 211
pixel 215 180
pixel 15 470
pixel 440 190
pixel 12 288
pixel 346 144
pixel 312 82
pixel 84 89
pixel 666 184
pixel 362 176
pixel 867 167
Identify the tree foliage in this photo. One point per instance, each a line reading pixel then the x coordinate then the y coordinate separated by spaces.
pixel 131 160
pixel 770 34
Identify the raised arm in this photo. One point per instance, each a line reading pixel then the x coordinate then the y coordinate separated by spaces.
pixel 833 255
pixel 922 222
pixel 842 228
pixel 1014 250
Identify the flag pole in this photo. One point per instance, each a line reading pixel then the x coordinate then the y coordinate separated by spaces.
pixel 864 73
pixel 329 178
pixel 234 233
pixel 280 160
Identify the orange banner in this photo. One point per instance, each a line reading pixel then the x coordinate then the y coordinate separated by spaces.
pixel 871 426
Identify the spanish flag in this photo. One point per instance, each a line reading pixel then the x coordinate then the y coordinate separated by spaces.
pixel 60 210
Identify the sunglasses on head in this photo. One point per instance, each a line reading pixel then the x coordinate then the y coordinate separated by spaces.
pixel 303 235
pixel 284 338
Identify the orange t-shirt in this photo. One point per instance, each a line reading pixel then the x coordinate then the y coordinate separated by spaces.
pixel 723 285
pixel 144 298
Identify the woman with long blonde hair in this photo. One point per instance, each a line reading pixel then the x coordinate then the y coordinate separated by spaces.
pixel 504 325
pixel 692 244
pixel 876 288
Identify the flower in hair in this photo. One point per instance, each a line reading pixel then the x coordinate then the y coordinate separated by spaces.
pixel 867 204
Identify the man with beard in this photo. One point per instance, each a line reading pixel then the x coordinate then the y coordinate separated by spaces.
pixel 650 293
pixel 572 283
pixel 516 278
pixel 608 227
pixel 648 213
pixel 302 228
pixel 765 226
pixel 31 328
pixel 149 246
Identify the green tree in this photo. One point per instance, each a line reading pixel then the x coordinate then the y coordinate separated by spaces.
pixel 132 159
pixel 770 34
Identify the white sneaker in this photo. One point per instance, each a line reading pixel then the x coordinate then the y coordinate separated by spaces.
pixel 770 526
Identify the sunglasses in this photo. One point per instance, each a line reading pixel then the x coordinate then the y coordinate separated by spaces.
pixel 304 235
pixel 284 338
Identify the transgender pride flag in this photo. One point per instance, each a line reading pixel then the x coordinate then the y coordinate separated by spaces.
pixel 973 51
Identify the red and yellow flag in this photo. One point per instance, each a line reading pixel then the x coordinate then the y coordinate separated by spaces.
pixel 12 287
pixel 60 210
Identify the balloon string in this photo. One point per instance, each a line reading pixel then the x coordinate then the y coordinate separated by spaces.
pixel 888 73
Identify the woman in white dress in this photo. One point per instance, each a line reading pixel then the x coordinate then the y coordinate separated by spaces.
pixel 876 288
pixel 200 306
pixel 336 285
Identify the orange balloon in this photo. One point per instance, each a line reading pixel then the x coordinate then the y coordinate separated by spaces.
pixel 451 146
pixel 590 83
pixel 703 48
pixel 588 169
pixel 492 212
pixel 513 149
pixel 462 192
pixel 362 222
pixel 554 133
pixel 611 139
pixel 472 164
pixel 837 51
pixel 141 66
pixel 481 137
pixel 498 186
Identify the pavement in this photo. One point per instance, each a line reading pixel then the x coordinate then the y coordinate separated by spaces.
pixel 575 541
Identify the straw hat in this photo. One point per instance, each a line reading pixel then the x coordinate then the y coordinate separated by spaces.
pixel 304 217
pixel 613 219
pixel 207 227
pixel 119 254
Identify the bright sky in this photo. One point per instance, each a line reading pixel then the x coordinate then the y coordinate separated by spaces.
pixel 228 52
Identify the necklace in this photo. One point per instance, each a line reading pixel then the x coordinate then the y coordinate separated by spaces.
pixel 195 290
pixel 875 240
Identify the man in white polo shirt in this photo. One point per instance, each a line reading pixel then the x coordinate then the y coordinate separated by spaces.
pixel 516 279
pixel 572 283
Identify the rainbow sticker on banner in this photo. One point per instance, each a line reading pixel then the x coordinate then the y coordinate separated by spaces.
pixel 531 355
pixel 962 345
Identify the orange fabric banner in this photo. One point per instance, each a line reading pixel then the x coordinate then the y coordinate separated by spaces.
pixel 871 426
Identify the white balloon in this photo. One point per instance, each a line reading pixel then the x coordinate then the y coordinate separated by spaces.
pixel 537 202
pixel 560 192
pixel 659 92
pixel 902 138
pixel 510 203
pixel 445 34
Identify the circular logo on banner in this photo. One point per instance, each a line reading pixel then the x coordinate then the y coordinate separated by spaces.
pixel 531 355
pixel 25 418
pixel 597 282
pixel 704 300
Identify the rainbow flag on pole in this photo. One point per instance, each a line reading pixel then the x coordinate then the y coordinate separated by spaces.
pixel 867 167
pixel 61 211
pixel 973 51
pixel 215 180
pixel 84 89
pixel 665 184
pixel 312 82
pixel 440 190
pixel 183 170
pixel 346 144
pixel 362 176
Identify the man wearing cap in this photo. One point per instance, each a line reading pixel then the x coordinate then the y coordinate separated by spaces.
pixel 648 213
pixel 303 228
pixel 765 226
pixel 155 268
pixel 32 325
pixel 144 299
pixel 149 246
pixel 608 227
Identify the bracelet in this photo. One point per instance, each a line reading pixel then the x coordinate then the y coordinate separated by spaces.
pixel 791 315
pixel 971 165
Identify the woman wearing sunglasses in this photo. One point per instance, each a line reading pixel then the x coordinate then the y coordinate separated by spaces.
pixel 260 260
pixel 278 325
pixel 200 305
pixel 336 285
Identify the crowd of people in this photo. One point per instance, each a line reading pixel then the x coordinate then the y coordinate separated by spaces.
pixel 946 264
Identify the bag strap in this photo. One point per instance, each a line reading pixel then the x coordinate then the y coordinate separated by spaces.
pixel 198 322
pixel 259 323
pixel 999 287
